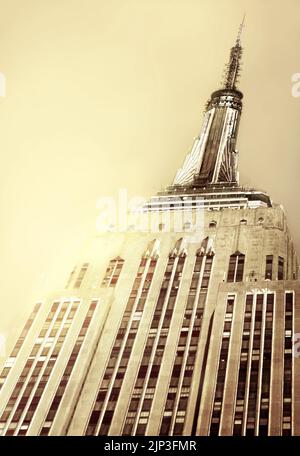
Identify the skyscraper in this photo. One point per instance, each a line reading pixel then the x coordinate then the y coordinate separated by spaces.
pixel 183 324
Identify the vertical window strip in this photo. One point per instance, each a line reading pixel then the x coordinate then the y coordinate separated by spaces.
pixel 71 277
pixel 29 366
pixel 113 272
pixel 254 368
pixel 44 373
pixel 236 267
pixel 11 361
pixel 68 370
pixel 42 358
pixel 174 414
pixel 222 367
pixel 280 268
pixel 137 416
pixel 288 365
pixel 110 386
pixel 81 275
pixel 269 267
pixel 243 368
pixel 266 367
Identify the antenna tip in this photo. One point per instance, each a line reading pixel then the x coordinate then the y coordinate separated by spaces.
pixel 242 25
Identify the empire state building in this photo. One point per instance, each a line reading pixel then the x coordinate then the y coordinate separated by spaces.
pixel 186 328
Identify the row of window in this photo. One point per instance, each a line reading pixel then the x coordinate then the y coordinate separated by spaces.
pixel 175 408
pixel 237 263
pixel 112 380
pixel 212 224
pixel 33 379
pixel 137 416
pixel 235 270
pixel 269 268
pixel 68 370
pixel 10 362
pixel 110 279
pixel 222 368
pixel 252 400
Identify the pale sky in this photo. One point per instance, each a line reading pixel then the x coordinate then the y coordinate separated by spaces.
pixel 103 95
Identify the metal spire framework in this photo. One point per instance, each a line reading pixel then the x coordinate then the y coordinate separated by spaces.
pixel 209 176
pixel 213 158
pixel 233 68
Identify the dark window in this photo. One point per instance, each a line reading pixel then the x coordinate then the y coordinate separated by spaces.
pixel 162 315
pixel 287 376
pixel 280 268
pixel 113 272
pixel 222 368
pixel 269 267
pixel 236 267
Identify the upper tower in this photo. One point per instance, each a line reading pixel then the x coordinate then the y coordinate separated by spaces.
pixel 209 176
pixel 213 158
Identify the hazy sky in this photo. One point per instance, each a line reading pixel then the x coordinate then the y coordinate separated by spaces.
pixel 103 95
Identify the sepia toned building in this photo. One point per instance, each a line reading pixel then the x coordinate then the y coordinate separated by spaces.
pixel 186 326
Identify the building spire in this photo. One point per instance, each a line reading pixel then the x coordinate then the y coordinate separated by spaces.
pixel 242 25
pixel 233 67
pixel 213 158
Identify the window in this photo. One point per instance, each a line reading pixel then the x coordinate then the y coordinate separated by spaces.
pixel 266 367
pixel 156 342
pixel 243 222
pixel 181 376
pixel 71 277
pixel 18 345
pixel 116 367
pixel 36 366
pixel 269 267
pixel 254 360
pixel 113 272
pixel 68 370
pixel 187 226
pixel 244 360
pixel 280 268
pixel 212 224
pixel 222 368
pixel 81 275
pixel 236 267
pixel 288 365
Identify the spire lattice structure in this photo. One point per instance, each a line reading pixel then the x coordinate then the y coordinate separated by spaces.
pixel 213 158
pixel 233 68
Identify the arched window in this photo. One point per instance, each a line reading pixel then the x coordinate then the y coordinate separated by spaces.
pixel 243 222
pixel 212 224
pixel 236 267
pixel 113 272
